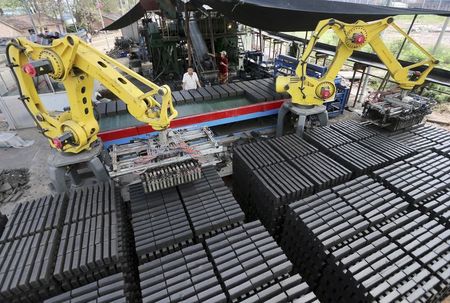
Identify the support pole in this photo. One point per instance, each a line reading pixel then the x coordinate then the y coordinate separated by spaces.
pixel 102 21
pixel 27 7
pixel 261 46
pixel 386 77
pixel 441 35
pixel 73 18
pixel 211 33
pixel 188 36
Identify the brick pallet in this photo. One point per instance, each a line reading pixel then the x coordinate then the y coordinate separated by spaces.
pixel 417 177
pixel 55 244
pixel 159 223
pixel 265 182
pixel 292 147
pixel 3 221
pixel 291 289
pixel 28 250
pixel 241 265
pixel 358 158
pixel 326 137
pixel 360 242
pixel 209 204
pixel 332 216
pixel 437 205
pixel 247 158
pixel 183 275
pixel 168 220
pixel 93 233
pixel 276 185
pixel 106 290
pixel 388 148
pixel 443 149
pixel 423 137
pixel 354 130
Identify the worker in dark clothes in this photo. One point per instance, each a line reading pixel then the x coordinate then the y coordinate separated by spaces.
pixel 223 68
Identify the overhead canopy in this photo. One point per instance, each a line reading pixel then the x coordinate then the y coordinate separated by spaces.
pixel 133 15
pixel 138 11
pixel 298 15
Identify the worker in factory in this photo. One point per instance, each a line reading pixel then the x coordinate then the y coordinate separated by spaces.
pixel 223 68
pixel 190 80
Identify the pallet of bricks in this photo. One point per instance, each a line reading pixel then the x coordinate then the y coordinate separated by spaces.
pixel 57 243
pixel 422 137
pixel 268 175
pixel 357 146
pixel 366 240
pixel 168 220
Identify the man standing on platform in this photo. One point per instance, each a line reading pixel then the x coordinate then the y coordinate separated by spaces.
pixel 190 80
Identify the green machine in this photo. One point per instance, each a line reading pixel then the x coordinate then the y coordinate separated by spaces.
pixel 167 42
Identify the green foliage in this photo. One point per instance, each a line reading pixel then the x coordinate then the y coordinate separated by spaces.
pixel 412 54
pixel 11 3
pixel 440 93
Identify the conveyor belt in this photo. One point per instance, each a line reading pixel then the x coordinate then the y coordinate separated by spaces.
pixel 203 100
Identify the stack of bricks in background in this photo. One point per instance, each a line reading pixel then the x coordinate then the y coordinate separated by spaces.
pixel 417 177
pixel 209 204
pixel 248 260
pixel 291 289
pixel 246 159
pixel 159 222
pixel 94 240
pixel 241 265
pixel 3 221
pixel 357 146
pixel 270 174
pixel 423 137
pixel 57 243
pixel 167 220
pixel 354 130
pixel 186 275
pixel 359 242
pixel 28 249
pixel 105 290
pixel 443 149
pixel 438 206
pixel 317 223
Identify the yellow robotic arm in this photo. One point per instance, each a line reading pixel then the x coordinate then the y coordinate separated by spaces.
pixel 76 65
pixel 306 90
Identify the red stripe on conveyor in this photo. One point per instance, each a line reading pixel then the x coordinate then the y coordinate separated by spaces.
pixel 194 119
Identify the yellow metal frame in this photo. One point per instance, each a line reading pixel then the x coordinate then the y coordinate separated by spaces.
pixel 76 65
pixel 305 90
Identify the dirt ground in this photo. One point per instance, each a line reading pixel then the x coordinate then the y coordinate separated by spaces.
pixel 440 116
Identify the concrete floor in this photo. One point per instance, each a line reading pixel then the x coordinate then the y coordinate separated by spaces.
pixel 34 158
